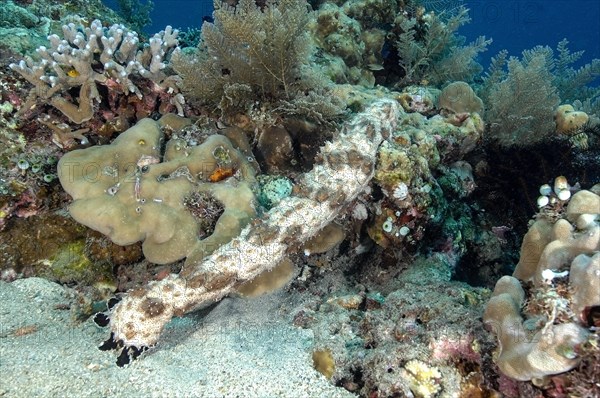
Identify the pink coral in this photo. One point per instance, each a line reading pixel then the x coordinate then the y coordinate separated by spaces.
pixel 449 348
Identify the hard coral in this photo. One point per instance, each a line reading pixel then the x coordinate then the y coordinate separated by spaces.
pixel 459 97
pixel 557 311
pixel 568 120
pixel 88 55
pixel 405 174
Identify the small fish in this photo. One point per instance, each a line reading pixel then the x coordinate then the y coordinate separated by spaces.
pixel 220 174
pixel 146 160
pixel 72 72
pixel 375 67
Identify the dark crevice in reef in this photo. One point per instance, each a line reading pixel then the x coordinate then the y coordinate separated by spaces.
pixel 507 191
pixel 509 188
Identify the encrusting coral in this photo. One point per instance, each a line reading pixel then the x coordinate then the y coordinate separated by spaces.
pixel 564 240
pixel 416 163
pixel 347 167
pixel 132 192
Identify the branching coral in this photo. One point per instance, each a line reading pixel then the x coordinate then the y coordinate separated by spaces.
pixel 90 55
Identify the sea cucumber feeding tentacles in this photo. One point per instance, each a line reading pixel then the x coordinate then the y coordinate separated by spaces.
pixel 346 167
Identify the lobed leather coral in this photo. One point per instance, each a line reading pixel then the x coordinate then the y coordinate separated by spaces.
pixel 559 257
pixel 131 191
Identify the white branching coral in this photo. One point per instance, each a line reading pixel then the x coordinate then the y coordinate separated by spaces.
pixel 87 55
pixel 346 167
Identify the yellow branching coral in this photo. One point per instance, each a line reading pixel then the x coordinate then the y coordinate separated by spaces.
pixel 423 379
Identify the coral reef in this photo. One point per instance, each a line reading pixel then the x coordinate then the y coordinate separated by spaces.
pixel 299 168
pixel 368 41
pixel 136 13
pixel 568 120
pixel 13 15
pixel 522 100
pixel 27 169
pixel 348 165
pixel 572 123
pixel 256 59
pixel 458 98
pixel 575 84
pixel 25 25
pixel 413 335
pixel 428 48
pixel 559 257
pixel 71 68
pixel 419 169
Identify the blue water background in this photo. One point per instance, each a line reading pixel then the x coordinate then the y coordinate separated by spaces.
pixel 523 24
pixel 513 25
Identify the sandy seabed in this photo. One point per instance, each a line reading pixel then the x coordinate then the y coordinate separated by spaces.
pixel 241 348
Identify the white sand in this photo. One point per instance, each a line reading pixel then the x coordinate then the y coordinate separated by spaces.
pixel 242 348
